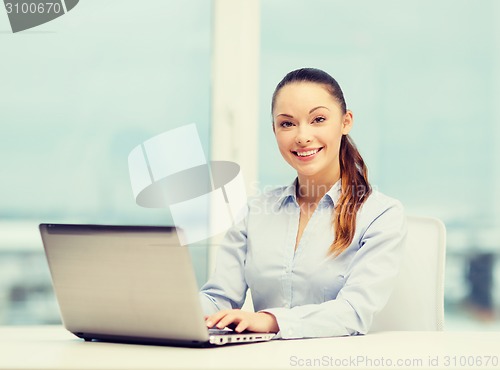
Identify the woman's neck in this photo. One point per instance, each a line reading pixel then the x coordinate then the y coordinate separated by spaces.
pixel 310 189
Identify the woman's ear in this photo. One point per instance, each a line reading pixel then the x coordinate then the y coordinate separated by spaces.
pixel 347 122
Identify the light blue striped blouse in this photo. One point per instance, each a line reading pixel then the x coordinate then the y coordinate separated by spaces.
pixel 310 293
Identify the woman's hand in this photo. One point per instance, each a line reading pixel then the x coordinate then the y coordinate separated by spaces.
pixel 243 320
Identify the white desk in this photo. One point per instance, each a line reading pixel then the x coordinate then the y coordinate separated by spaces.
pixel 51 347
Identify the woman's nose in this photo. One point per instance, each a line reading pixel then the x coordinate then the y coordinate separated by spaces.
pixel 303 135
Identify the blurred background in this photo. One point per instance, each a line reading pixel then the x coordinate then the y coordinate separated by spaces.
pixel 79 93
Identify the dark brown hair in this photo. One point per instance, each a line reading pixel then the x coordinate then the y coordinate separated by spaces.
pixel 353 171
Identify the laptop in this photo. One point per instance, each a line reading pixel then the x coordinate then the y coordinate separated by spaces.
pixel 129 284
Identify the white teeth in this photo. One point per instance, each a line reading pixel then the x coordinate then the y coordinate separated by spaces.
pixel 308 153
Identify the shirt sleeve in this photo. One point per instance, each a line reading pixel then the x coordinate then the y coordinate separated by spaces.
pixel 368 283
pixel 227 288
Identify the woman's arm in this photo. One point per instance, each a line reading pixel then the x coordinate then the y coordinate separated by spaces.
pixel 226 289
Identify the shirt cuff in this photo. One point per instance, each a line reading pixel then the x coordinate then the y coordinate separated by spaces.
pixel 289 324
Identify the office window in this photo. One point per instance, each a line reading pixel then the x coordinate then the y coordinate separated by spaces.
pixel 77 94
pixel 422 79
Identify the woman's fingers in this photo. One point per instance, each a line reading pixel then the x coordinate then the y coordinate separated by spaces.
pixel 228 319
pixel 243 325
pixel 242 320
pixel 214 320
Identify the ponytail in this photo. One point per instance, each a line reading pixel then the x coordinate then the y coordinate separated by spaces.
pixel 355 191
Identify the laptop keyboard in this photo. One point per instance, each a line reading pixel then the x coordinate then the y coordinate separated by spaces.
pixel 225 332
pixel 220 332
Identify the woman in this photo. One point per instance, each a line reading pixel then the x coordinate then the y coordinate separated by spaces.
pixel 321 255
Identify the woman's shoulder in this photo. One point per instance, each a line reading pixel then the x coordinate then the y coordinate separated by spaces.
pixel 378 204
pixel 382 217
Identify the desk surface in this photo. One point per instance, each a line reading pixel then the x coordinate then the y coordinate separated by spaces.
pixel 52 347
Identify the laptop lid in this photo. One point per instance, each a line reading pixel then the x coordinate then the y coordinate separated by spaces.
pixel 117 282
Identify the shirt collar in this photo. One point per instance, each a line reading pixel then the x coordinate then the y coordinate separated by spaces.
pixel 289 194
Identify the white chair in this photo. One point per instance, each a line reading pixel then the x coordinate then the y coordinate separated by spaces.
pixel 417 302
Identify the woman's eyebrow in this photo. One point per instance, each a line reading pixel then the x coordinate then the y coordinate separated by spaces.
pixel 312 110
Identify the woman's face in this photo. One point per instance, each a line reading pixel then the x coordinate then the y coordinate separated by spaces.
pixel 309 125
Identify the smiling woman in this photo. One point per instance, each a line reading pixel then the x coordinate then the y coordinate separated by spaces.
pixel 321 255
pixel 306 135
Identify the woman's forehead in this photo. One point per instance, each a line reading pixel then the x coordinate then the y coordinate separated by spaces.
pixel 304 96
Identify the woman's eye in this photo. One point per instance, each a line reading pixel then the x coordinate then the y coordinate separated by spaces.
pixel 319 119
pixel 286 124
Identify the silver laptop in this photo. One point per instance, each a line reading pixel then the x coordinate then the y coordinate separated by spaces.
pixel 129 284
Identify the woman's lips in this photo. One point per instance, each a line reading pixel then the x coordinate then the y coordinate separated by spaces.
pixel 307 155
